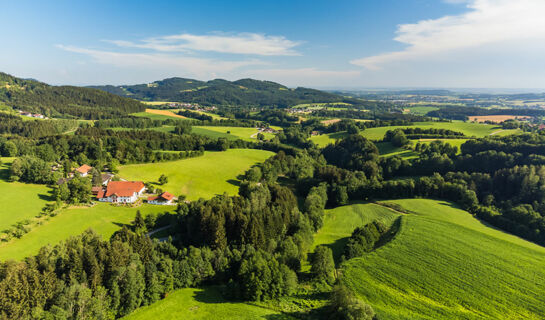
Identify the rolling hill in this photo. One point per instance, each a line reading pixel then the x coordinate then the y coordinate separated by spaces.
pixel 63 101
pixel 244 92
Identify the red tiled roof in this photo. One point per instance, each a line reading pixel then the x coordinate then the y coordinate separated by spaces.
pixel 96 189
pixel 165 196
pixel 122 188
pixel 100 194
pixel 84 169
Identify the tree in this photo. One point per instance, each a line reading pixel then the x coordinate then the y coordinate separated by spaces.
pixel 163 179
pixel 323 265
pixel 9 149
pixel 139 223
pixel 97 178
pixel 260 136
pixel 80 190
pixel 345 305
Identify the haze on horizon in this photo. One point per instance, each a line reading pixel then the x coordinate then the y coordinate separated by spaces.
pixel 352 44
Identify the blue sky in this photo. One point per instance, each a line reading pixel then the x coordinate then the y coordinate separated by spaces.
pixel 387 43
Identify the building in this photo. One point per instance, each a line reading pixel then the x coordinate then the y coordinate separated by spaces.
pixel 106 178
pixel 164 198
pixel 84 170
pixel 121 192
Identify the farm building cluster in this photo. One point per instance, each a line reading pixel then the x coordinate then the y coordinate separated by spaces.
pixel 32 115
pixel 119 192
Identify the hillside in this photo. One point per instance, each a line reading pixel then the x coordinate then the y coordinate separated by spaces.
pixel 244 92
pixel 444 264
pixel 63 101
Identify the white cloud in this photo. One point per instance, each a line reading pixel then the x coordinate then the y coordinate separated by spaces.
pixel 198 67
pixel 242 43
pixel 487 23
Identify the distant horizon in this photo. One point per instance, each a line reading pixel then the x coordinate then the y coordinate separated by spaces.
pixel 490 90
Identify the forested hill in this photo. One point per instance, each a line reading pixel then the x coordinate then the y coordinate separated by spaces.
pixel 63 101
pixel 244 92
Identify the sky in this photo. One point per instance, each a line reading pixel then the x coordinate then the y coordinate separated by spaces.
pixel 322 44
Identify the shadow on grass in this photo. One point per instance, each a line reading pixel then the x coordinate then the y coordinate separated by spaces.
pixel 234 182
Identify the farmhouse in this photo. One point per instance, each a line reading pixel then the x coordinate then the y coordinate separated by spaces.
pixel 84 170
pixel 121 192
pixel 106 178
pixel 164 198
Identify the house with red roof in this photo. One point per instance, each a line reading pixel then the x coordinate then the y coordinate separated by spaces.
pixel 164 198
pixel 121 192
pixel 84 170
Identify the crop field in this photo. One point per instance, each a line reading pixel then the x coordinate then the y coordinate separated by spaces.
pixel 156 114
pixel 496 118
pixel 206 303
pixel 205 176
pixel 445 264
pixel 20 201
pixel 235 133
pixel 104 218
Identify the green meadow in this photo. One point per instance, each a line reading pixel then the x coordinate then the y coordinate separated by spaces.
pixel 206 303
pixel 233 133
pixel 104 218
pixel 420 110
pixel 386 149
pixel 20 201
pixel 470 129
pixel 205 176
pixel 442 264
pixel 341 221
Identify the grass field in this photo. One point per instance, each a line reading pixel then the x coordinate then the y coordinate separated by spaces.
pixel 248 134
pixel 206 303
pixel 104 218
pixel 20 201
pixel 341 221
pixel 445 264
pixel 386 149
pixel 206 176
pixel 454 142
pixel 419 110
pixel 468 128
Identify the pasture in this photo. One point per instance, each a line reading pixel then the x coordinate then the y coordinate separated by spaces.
pixel 20 201
pixel 386 149
pixel 341 221
pixel 445 264
pixel 201 177
pixel 104 218
pixel 233 133
pixel 206 303
pixel 470 129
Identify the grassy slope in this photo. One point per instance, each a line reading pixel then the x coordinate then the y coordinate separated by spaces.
pixel 444 264
pixel 375 134
pixel 204 303
pixel 103 218
pixel 386 149
pixel 341 221
pixel 20 201
pixel 236 132
pixel 206 176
